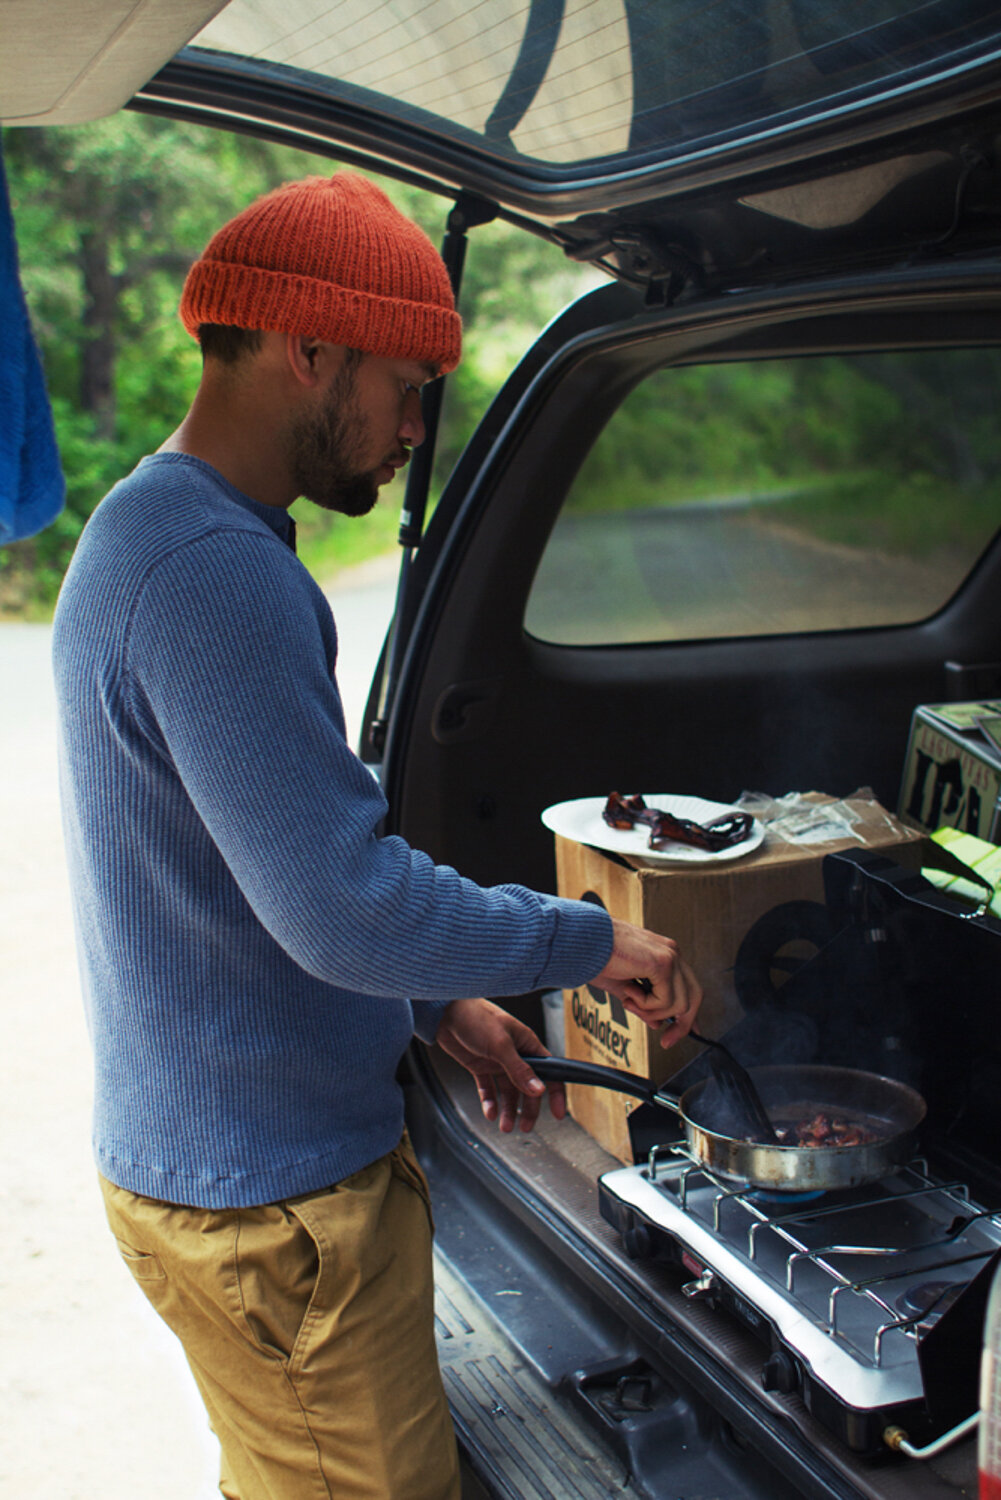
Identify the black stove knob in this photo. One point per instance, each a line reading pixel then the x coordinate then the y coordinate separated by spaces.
pixel 637 1241
pixel 780 1373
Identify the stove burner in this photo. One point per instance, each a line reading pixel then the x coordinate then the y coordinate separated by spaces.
pixel 867 1290
pixel 929 1297
pixel 765 1195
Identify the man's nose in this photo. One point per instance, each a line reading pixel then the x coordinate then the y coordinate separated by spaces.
pixel 411 429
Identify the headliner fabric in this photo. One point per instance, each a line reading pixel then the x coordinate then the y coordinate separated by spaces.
pixel 32 488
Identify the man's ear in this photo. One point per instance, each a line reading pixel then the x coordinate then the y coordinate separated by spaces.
pixel 305 358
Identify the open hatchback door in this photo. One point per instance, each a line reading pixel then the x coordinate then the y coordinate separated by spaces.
pixel 726 524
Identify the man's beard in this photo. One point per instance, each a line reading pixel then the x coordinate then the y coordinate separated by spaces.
pixel 324 451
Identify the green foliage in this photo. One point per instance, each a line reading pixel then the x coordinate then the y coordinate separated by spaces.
pixel 142 196
pixel 328 543
pixel 912 514
pixel 133 200
pixel 891 452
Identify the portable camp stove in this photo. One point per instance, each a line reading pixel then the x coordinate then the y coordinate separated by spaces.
pixel 870 1302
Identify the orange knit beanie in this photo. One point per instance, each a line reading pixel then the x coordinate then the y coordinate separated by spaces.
pixel 330 257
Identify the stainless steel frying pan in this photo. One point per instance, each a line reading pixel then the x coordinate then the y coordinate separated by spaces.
pixel 891 1111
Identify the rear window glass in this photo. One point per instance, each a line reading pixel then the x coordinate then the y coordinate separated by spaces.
pixel 566 82
pixel 771 497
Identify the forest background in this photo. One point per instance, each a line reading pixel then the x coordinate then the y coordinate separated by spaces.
pixel 894 454
pixel 108 218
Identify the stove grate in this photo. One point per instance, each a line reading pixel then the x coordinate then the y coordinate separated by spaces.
pixel 901 1232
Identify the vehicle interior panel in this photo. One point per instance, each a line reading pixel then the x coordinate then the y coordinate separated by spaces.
pixel 498 725
pixel 555 1168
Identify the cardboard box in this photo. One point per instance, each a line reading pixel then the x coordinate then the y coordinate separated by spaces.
pixel 708 909
pixel 952 770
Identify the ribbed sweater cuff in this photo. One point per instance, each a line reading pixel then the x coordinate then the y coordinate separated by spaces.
pixel 427 1017
pixel 581 947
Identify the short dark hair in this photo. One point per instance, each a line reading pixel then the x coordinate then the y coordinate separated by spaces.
pixel 219 341
pixel 230 345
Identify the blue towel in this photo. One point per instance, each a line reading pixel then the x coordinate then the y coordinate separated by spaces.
pixel 32 488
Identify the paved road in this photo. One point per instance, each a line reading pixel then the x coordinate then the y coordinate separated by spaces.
pixel 711 571
pixel 96 1399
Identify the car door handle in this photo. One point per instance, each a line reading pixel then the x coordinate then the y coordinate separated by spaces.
pixel 466 710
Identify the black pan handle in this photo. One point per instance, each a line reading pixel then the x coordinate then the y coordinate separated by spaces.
pixel 572 1070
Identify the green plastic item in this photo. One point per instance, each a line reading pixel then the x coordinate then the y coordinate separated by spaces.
pixel 979 859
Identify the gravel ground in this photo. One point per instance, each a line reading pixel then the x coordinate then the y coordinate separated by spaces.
pixel 97 1400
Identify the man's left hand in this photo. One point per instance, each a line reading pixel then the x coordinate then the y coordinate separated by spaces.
pixel 491 1043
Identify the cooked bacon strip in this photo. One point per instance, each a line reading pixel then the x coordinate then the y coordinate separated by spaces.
pixel 825 1130
pixel 665 828
pixel 624 812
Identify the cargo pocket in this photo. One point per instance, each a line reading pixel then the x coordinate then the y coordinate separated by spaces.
pixel 143 1265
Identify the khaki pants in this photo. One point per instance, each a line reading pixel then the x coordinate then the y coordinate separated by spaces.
pixel 309 1326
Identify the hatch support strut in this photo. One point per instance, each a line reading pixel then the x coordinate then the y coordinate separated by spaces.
pixel 467 212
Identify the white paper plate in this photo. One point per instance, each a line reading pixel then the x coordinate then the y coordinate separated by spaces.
pixel 581 820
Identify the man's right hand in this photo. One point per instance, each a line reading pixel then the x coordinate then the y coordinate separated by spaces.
pixel 670 993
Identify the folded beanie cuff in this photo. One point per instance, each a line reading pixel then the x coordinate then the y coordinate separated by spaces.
pixel 286 302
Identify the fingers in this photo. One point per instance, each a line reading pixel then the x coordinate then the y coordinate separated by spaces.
pixel 648 974
pixel 488 1095
pixel 557 1100
pixel 519 1074
pixel 520 1106
pixel 518 1091
pixel 675 1015
pixel 493 1045
pixel 680 1023
pixel 502 1101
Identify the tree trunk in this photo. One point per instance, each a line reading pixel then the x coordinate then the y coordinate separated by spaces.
pixel 97 363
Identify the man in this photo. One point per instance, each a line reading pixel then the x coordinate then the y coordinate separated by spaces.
pixel 255 957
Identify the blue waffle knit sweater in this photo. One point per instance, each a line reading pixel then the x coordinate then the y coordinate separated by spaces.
pixel 254 956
